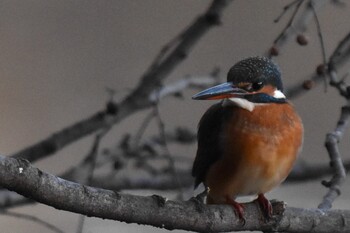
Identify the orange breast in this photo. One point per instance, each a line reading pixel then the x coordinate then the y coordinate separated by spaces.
pixel 260 148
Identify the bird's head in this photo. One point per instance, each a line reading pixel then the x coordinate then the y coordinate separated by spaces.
pixel 255 80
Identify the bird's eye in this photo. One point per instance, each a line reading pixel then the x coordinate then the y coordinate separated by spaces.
pixel 256 86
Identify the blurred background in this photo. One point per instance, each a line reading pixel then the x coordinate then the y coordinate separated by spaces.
pixel 58 57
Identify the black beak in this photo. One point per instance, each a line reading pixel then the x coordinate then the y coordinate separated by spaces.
pixel 221 91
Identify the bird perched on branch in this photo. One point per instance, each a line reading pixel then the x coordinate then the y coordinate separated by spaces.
pixel 248 142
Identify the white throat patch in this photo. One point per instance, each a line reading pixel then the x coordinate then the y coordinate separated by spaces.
pixel 242 103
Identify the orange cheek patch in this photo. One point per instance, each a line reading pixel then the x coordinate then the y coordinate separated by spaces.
pixel 268 89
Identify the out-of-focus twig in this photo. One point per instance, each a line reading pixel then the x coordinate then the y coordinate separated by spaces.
pixel 167 153
pixel 341 54
pixel 33 219
pixel 91 161
pixel 288 27
pixel 142 128
pixel 139 98
pixel 332 140
pixel 197 82
pixel 297 24
pixel 305 171
pixel 285 9
pixel 339 57
pixel 320 36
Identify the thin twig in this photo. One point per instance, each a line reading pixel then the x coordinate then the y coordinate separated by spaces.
pixel 172 89
pixel 339 57
pixel 289 24
pixel 91 159
pixel 298 22
pixel 320 36
pixel 33 219
pixel 319 32
pixel 167 153
pixel 285 9
pixel 142 129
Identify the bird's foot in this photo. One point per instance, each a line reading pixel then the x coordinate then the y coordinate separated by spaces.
pixel 265 206
pixel 238 207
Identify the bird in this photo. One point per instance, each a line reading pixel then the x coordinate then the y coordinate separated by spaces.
pixel 248 142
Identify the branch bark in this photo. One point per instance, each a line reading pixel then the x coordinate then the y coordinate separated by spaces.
pixel 20 176
pixel 302 172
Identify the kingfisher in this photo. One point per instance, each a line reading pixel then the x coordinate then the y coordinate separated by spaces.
pixel 249 141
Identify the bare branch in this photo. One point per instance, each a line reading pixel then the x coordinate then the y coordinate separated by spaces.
pixel 158 211
pixel 285 9
pixel 285 31
pixel 139 98
pixel 319 32
pixel 341 54
pixel 303 171
pixel 167 153
pixel 91 160
pixel 142 129
pixel 332 141
pixel 92 156
pixel 199 82
pixel 339 57
pixel 320 36
pixel 153 78
pixel 297 23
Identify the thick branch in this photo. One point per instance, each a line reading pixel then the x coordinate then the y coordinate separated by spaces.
pixel 20 176
pixel 137 99
pixel 301 172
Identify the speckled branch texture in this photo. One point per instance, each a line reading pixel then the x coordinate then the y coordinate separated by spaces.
pixel 20 176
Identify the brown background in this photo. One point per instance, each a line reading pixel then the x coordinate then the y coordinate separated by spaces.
pixel 57 58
